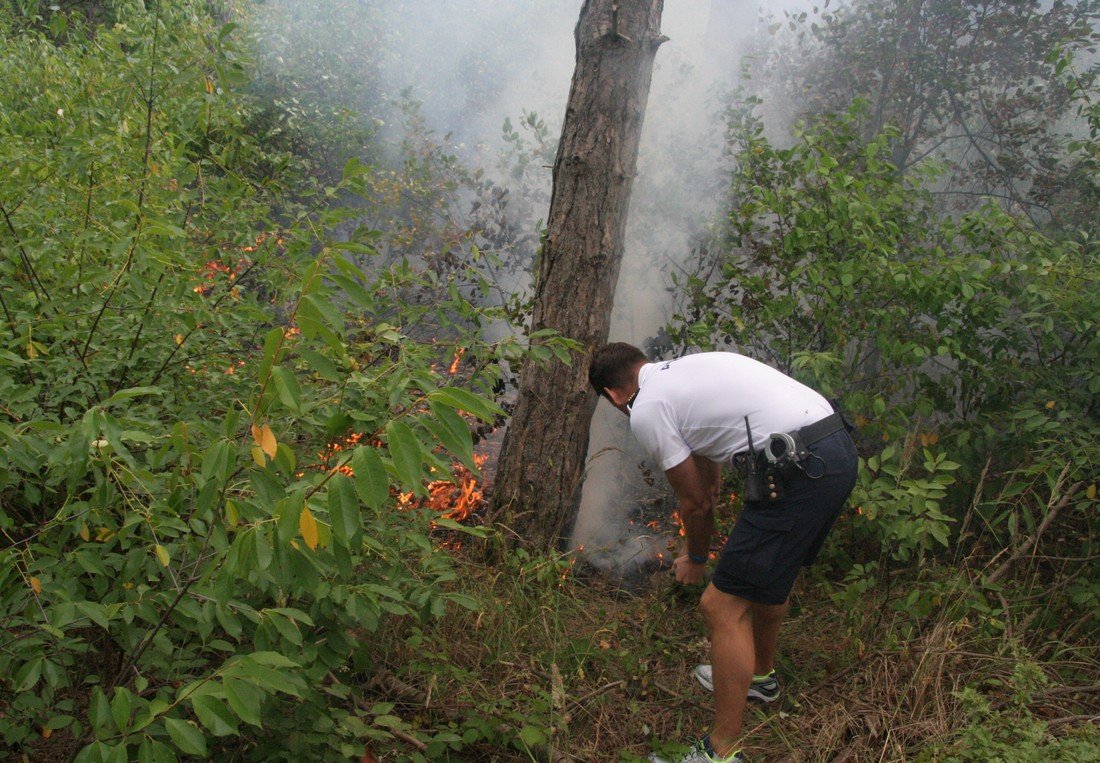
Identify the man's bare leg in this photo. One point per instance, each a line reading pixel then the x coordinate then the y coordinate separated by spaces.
pixel 729 624
pixel 766 620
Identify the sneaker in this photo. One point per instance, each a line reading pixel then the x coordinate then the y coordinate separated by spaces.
pixel 700 752
pixel 765 689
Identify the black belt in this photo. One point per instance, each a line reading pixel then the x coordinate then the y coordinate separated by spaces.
pixel 819 430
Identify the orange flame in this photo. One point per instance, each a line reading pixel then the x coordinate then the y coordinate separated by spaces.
pixel 679 523
pixel 456 498
pixel 454 363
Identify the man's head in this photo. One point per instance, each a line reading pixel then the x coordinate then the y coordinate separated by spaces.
pixel 613 372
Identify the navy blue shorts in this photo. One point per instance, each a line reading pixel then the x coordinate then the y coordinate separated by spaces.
pixel 773 540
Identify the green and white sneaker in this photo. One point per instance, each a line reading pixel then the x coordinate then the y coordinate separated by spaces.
pixel 763 688
pixel 700 752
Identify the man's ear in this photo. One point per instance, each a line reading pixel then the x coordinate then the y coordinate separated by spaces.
pixel 615 395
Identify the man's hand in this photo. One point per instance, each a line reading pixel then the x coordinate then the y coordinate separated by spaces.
pixel 695 481
pixel 688 572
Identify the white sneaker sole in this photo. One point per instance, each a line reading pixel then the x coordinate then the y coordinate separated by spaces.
pixel 704 676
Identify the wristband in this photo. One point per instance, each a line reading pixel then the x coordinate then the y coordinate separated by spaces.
pixel 696 558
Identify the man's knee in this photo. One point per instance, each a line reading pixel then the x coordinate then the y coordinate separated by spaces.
pixel 723 608
pixel 771 612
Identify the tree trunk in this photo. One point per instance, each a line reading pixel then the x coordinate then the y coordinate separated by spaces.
pixel 541 465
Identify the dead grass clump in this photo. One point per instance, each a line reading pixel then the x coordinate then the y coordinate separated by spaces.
pixel 891 703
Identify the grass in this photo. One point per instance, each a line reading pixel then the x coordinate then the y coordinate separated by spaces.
pixel 560 666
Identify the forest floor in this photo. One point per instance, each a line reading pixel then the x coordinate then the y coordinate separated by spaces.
pixel 613 670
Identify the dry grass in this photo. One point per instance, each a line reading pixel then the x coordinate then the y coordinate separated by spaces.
pixel 610 672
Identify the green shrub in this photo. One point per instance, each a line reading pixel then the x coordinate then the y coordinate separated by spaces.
pixel 208 411
pixel 970 339
pixel 1013 733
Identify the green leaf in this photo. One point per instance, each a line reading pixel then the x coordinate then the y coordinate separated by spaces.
pixel 99 714
pixel 467 401
pixel 270 679
pixel 129 394
pixel 319 308
pixel 406 453
pixel 343 511
pixel 286 384
pixel 244 699
pixel 461 599
pixel 216 461
pixel 272 660
pixel 371 481
pixel 286 627
pixel 532 736
pixel 294 614
pixel 187 737
pixel 120 708
pixel 272 343
pixel 320 365
pixel 453 433
pixel 213 714
pixel 288 512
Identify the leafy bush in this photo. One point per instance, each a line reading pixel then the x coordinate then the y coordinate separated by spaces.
pixel 208 412
pixel 970 339
pixel 1011 733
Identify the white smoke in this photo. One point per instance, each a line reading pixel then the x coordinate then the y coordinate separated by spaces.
pixel 474 63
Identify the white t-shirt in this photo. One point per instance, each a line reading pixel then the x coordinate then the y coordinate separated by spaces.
pixel 698 404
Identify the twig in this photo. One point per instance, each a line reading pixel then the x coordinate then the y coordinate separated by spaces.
pixel 409 738
pixel 1052 512
pixel 973 505
pixel 1072 690
pixel 150 100
pixel 576 704
pixel 1073 719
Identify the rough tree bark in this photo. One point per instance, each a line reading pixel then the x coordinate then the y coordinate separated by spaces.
pixel 541 465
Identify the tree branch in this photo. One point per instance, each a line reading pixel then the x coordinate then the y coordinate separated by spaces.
pixel 1055 505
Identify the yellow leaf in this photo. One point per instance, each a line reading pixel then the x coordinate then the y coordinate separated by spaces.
pixel 231 515
pixel 258 455
pixel 104 534
pixel 85 534
pixel 308 526
pixel 267 441
pixel 162 555
pixel 1091 491
pixel 47 732
pixel 257 433
pixel 1051 404
pixel 36 586
pixel 209 86
pixel 178 338
pixel 32 353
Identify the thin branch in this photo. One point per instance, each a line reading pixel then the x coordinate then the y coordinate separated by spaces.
pixel 1052 512
pixel 27 264
pixel 150 100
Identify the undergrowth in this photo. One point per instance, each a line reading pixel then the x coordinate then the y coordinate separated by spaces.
pixel 561 667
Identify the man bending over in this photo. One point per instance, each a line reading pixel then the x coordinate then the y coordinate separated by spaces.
pixel 692 415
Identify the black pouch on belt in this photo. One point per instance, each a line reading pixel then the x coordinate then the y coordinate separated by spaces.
pixel 760 480
pixel 752 476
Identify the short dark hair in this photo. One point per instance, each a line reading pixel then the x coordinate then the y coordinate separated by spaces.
pixel 613 364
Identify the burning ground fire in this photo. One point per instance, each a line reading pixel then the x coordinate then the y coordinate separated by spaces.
pixel 455 498
pixel 672 550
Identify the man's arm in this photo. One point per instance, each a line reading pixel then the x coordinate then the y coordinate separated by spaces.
pixel 695 481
